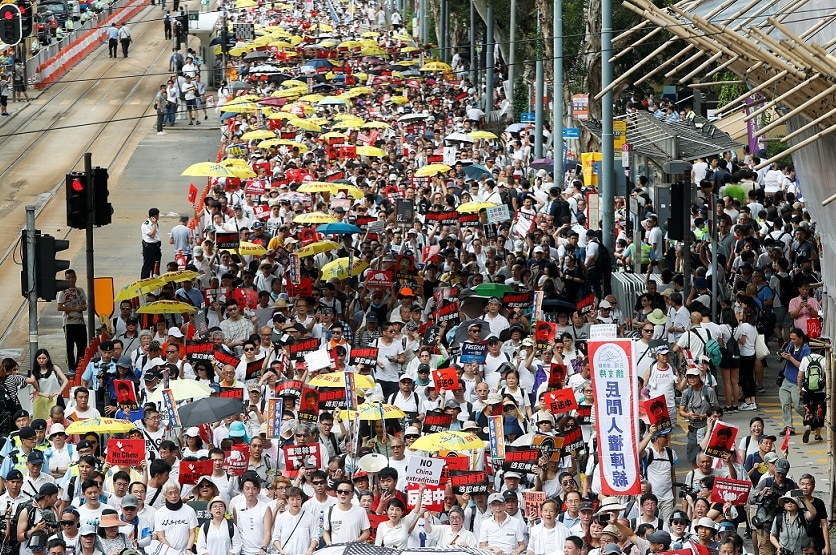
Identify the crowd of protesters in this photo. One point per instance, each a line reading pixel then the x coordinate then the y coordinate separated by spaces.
pixel 386 288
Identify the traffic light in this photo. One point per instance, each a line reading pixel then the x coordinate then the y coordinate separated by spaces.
pixel 24 272
pixel 104 210
pixel 26 17
pixel 11 30
pixel 78 192
pixel 46 266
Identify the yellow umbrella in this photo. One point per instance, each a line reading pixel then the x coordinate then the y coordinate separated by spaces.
pixel 371 411
pixel 137 288
pixel 370 151
pixel 432 169
pixel 245 3
pixel 399 100
pixel 377 125
pixel 315 248
pixel 206 169
pixel 100 426
pixel 182 390
pixel 368 42
pixel 283 142
pixel 348 124
pixel 372 51
pixel 333 135
pixel 178 276
pixel 327 43
pixel 258 134
pixel 311 98
pixel 281 115
pixel 337 379
pixel 448 441
pixel 239 107
pixel 410 49
pixel 349 44
pixel 254 249
pixel 481 134
pixel 314 218
pixel 322 27
pixel 288 93
pixel 316 187
pixel 436 66
pixel 263 40
pixel 241 172
pixel 474 206
pixel 339 268
pixel 304 124
pixel 295 39
pixel 166 307
pixel 370 35
pixel 280 44
pixel 352 191
pixel 238 51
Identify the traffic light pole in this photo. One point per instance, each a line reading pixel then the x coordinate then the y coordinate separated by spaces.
pixel 31 292
pixel 91 220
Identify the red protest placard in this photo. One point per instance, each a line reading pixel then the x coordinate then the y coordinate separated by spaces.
pixel 298 349
pixel 433 497
pixel 192 193
pixel 379 279
pixel 232 393
pixel 532 501
pixel 656 410
pixel 246 298
pixel 557 376
pixel 331 399
pixel 363 355
pixel 303 289
pixel 572 440
pixel 469 220
pixel 586 303
pixel 517 300
pixel 289 388
pixel 437 422
pixel 722 439
pixel 225 357
pixel 544 333
pixel 309 405
pixel 125 394
pixel 125 452
pixel 238 459
pixel 450 217
pixel 446 378
pixel 253 368
pixel 448 312
pixel 520 459
pixel 227 240
pixel 466 481
pixel 727 490
pixel 560 401
pixel 192 471
pixel 296 456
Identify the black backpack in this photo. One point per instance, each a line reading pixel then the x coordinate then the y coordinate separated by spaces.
pixel 603 262
pixel 786 290
pixel 229 526
pixel 560 210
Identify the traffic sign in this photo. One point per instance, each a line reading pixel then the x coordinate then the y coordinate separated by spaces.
pixel 571 133
pixel 527 117
pixel 619 134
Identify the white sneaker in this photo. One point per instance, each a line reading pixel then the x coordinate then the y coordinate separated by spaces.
pixel 161 133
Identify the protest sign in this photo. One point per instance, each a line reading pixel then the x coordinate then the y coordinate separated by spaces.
pixel 192 471
pixel 424 470
pixel 517 300
pixel 298 349
pixel 437 421
pixel 469 481
pixel 125 452
pixel 532 501
pixel 433 497
pixel 560 401
pixel 727 490
pixel 331 399
pixel 296 456
pixel 238 458
pixel 125 395
pixel 656 411
pixel 520 459
pixel 363 355
pixel 445 378
pixel 474 352
pixel 722 439
pixel 557 376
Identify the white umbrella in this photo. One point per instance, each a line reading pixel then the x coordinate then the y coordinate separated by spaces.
pixel 408 118
pixel 459 138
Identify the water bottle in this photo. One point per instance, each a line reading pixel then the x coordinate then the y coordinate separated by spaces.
pixel 422 536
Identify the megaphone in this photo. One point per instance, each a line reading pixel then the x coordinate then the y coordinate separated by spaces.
pixel 373 462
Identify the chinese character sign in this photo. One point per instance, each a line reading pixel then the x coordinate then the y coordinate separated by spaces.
pixel 617 400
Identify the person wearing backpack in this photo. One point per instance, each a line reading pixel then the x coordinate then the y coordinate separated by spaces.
pixel 792 353
pixel 812 394
pixel 219 536
pixel 659 468
pixel 598 265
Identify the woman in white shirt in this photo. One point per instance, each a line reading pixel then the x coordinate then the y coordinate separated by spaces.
pixel 453 534
pixel 395 532
pixel 294 531
pixel 746 334
pixel 213 537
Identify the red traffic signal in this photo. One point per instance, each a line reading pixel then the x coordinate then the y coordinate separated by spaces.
pixel 11 25
pixel 77 185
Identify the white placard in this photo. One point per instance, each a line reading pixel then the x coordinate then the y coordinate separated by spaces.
pixel 603 331
pixel 317 360
pixel 424 470
pixel 450 155
pixel 498 214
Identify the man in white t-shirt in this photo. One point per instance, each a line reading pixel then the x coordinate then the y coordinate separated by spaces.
pixel 345 522
pixel 175 528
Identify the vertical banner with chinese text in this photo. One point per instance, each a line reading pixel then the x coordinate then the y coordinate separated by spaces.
pixel 617 400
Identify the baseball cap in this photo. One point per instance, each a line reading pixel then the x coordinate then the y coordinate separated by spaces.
pixel 660 536
pixel 155 346
pixel 174 331
pixel 494 497
pixel 124 362
pixel 46 490
pixel 509 495
pixel 770 458
pixel 36 457
pixel 130 501
pixel 782 465
pixel 512 475
pixel 193 431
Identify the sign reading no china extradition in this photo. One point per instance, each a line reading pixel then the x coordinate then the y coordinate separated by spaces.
pixel 422 470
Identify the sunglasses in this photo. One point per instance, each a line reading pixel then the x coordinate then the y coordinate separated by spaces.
pixel 318 482
pixel 68 522
pixel 343 491
pixel 249 350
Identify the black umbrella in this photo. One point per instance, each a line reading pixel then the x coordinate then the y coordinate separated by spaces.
pixel 257 55
pixel 461 332
pixel 209 409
